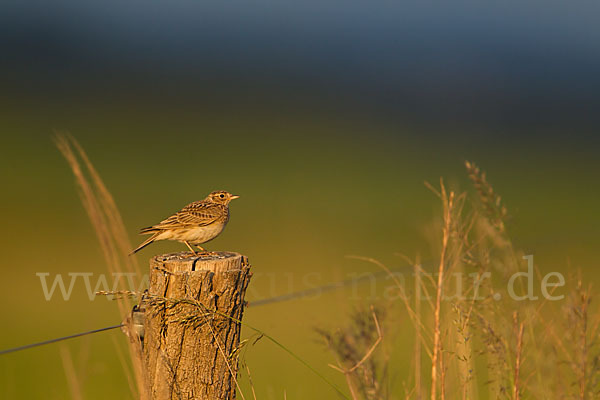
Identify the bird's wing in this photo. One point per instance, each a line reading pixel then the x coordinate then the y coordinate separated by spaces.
pixel 195 214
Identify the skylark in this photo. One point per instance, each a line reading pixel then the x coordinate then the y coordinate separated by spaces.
pixel 195 224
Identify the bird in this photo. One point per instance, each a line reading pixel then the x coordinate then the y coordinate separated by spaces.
pixel 195 224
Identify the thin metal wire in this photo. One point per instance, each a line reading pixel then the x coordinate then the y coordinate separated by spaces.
pixel 28 346
pixel 256 303
pixel 316 290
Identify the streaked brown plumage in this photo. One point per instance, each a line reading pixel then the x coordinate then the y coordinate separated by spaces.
pixel 195 224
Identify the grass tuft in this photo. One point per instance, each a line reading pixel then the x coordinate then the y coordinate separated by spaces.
pixel 483 343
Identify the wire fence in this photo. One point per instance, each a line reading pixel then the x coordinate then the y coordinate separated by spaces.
pixel 45 342
pixel 256 303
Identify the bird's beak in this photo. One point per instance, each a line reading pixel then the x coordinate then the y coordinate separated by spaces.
pixel 233 197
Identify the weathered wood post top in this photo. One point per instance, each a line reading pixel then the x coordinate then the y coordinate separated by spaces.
pixel 192 324
pixel 215 261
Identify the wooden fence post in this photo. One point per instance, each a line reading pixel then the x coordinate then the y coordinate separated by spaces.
pixel 194 306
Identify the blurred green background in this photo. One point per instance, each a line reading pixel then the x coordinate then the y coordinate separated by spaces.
pixel 325 118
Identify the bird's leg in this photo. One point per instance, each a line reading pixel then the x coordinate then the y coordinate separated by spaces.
pixel 190 247
pixel 201 248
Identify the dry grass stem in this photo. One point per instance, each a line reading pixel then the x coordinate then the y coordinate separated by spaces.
pixel 448 205
pixel 418 334
pixel 251 383
pixel 110 230
pixel 516 387
pixel 72 378
pixel 369 352
pixel 412 314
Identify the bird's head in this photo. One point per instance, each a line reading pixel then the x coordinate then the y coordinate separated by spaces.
pixel 221 197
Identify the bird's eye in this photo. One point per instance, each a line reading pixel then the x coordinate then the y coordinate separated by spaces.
pixel 222 196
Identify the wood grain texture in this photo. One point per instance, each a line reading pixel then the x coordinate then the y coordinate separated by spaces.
pixel 190 324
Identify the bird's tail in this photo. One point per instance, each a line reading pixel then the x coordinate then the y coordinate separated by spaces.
pixel 145 243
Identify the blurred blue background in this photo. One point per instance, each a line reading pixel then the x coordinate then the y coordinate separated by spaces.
pixel 513 64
